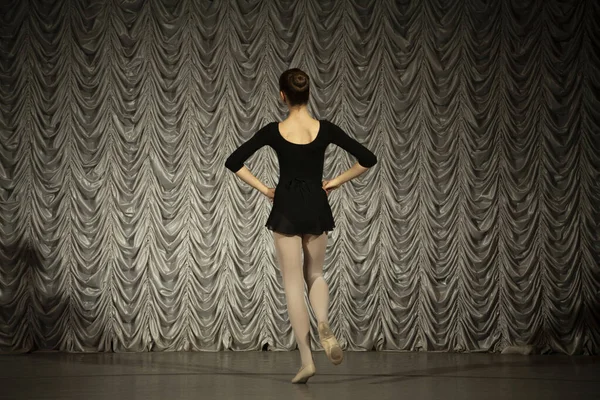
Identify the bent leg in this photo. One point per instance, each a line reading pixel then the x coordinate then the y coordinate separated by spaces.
pixel 314 257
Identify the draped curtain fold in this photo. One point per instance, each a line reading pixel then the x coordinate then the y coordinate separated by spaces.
pixel 121 230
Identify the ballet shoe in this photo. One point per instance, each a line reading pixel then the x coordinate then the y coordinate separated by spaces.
pixel 330 344
pixel 305 374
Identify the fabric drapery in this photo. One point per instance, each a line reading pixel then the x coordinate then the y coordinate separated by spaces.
pixel 120 229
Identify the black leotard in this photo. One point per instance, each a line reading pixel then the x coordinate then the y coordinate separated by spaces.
pixel 300 204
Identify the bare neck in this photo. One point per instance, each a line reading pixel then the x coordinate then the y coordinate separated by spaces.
pixel 299 113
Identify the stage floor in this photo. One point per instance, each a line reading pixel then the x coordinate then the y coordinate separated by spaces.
pixel 266 375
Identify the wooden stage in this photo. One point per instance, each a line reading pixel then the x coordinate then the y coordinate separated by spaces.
pixel 266 375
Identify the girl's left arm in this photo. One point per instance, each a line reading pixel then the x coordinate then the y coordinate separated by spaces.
pixel 235 161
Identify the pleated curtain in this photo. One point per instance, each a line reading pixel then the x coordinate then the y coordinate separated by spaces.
pixel 121 229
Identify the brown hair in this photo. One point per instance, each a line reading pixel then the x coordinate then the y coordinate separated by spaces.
pixel 294 83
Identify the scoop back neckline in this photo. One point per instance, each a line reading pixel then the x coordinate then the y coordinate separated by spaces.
pixel 300 144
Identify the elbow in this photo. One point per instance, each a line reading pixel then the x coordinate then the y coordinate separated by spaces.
pixel 233 165
pixel 368 161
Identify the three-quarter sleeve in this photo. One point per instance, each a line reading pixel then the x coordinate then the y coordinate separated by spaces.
pixel 236 160
pixel 364 156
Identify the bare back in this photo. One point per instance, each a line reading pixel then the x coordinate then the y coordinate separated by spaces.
pixel 299 131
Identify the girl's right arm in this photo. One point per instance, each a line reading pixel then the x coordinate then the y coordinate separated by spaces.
pixel 365 158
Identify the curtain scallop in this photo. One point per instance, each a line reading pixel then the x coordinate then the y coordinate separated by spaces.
pixel 121 230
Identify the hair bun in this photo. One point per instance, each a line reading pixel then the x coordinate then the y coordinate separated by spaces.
pixel 295 85
pixel 299 81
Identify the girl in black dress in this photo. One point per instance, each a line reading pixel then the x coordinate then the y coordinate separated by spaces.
pixel 301 217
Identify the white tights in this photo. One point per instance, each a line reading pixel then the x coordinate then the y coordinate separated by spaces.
pixel 295 272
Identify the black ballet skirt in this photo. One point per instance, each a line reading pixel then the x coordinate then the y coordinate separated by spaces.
pixel 300 205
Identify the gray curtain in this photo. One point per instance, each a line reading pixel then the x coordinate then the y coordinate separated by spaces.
pixel 121 230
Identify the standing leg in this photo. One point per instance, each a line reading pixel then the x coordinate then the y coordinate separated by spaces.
pixel 289 254
pixel 314 256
